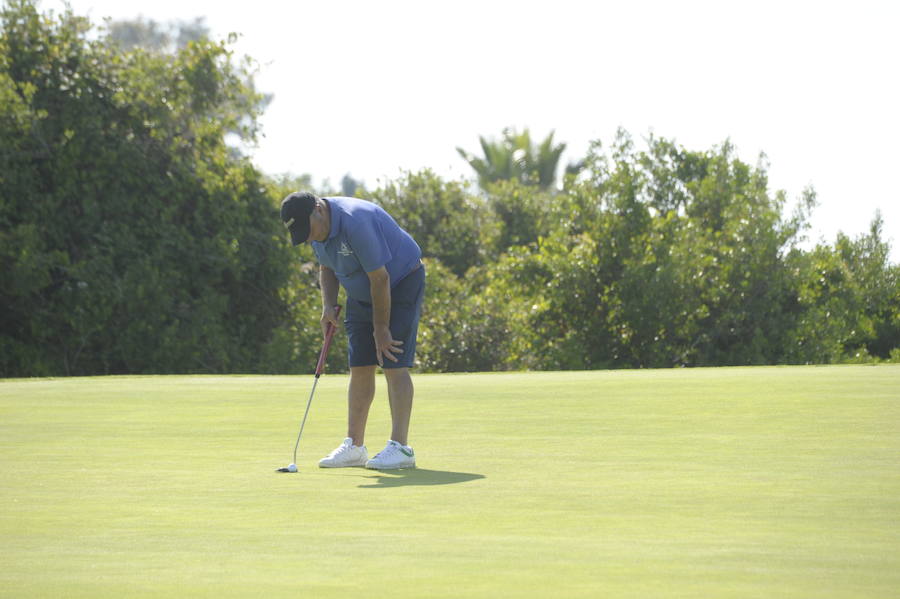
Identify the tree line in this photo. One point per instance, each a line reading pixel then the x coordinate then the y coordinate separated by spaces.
pixel 134 239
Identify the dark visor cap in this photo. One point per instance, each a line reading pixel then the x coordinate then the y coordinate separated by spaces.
pixel 295 211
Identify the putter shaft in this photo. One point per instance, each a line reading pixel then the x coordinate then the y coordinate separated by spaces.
pixel 305 414
pixel 320 368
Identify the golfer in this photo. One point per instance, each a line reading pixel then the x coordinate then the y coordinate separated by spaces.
pixel 360 247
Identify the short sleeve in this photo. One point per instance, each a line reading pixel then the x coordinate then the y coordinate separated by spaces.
pixel 369 245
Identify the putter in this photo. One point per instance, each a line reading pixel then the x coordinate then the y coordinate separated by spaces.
pixel 320 367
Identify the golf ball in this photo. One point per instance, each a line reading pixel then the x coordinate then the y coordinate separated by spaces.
pixel 292 467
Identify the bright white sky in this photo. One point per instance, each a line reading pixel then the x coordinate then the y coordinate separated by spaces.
pixel 375 88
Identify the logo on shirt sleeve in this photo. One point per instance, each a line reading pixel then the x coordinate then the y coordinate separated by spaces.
pixel 345 250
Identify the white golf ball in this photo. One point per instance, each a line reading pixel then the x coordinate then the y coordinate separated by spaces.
pixel 292 467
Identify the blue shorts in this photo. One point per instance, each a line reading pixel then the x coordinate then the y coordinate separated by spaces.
pixel 406 307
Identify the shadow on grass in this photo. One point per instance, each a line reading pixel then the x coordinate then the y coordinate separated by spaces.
pixel 418 477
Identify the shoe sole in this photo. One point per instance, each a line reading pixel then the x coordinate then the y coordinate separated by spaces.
pixel 400 467
pixel 342 465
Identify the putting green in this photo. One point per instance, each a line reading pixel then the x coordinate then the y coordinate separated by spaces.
pixel 728 482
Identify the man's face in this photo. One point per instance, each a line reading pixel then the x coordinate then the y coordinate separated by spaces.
pixel 318 225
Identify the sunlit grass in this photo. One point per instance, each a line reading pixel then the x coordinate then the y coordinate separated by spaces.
pixel 744 482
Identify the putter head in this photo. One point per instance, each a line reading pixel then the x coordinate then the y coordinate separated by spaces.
pixel 290 468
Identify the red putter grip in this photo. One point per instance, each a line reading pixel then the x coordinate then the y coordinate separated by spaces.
pixel 329 335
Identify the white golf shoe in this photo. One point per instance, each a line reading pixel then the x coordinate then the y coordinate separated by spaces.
pixel 393 456
pixel 346 455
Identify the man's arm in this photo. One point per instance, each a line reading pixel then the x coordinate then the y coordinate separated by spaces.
pixel 385 345
pixel 329 286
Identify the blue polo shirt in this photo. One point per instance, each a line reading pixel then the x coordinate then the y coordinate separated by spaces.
pixel 364 238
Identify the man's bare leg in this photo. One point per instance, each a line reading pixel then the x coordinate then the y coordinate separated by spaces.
pixel 359 400
pixel 400 394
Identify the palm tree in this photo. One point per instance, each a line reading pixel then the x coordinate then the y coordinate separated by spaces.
pixel 515 157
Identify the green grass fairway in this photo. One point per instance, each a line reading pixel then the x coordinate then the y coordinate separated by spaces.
pixel 713 483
